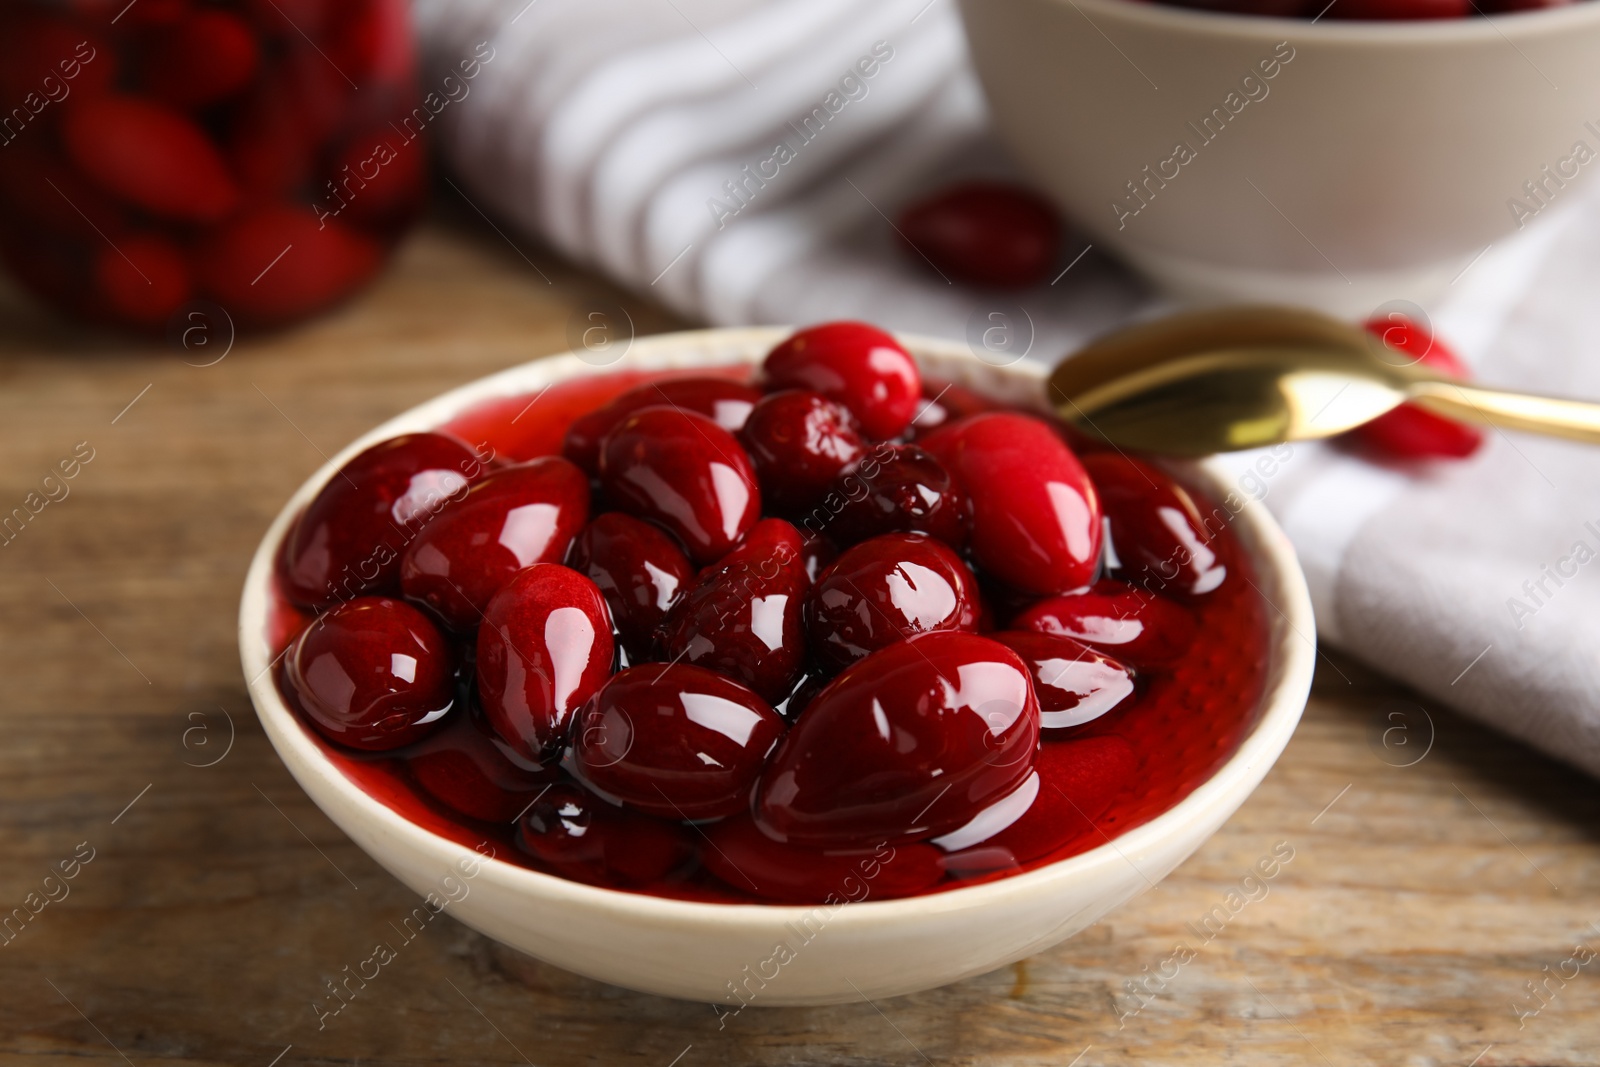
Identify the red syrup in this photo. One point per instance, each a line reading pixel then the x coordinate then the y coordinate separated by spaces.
pixel 1182 723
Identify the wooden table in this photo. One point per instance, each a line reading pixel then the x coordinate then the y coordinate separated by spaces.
pixel 1420 901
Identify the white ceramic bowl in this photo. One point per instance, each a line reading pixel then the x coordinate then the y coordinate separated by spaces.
pixel 1374 165
pixel 707 951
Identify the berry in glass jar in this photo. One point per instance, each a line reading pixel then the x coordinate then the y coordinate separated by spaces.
pixel 985 232
pixel 262 156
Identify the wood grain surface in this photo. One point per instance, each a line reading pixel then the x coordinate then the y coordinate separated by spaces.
pixel 1437 869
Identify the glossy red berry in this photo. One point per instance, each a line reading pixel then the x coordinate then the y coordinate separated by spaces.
pixel 860 366
pixel 544 648
pixel 675 741
pixel 1408 431
pixel 898 489
pixel 887 589
pixel 749 861
pixel 683 471
pixel 1035 513
pixel 1137 627
pixel 641 571
pixel 372 673
pixel 149 156
pixel 207 55
pixel 469 770
pixel 744 616
pixel 514 518
pixel 280 262
pixel 349 539
pixel 1075 783
pixel 800 442
pixel 1073 683
pixel 582 836
pixel 1159 539
pixel 986 233
pixel 724 401
pixel 909 743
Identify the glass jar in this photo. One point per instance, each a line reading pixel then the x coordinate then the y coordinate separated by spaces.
pixel 260 155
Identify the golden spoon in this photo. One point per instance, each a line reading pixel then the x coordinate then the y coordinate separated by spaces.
pixel 1220 380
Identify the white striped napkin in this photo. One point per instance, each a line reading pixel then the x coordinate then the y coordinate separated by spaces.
pixel 738 160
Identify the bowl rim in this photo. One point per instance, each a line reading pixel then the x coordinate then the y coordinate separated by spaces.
pixel 1282 703
pixel 1427 33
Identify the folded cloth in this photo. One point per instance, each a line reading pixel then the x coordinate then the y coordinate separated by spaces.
pixel 741 160
pixel 731 159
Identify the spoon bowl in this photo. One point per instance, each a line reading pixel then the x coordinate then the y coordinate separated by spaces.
pixel 1225 379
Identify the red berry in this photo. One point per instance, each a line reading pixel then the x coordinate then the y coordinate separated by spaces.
pixel 150 156
pixel 858 365
pixel 909 743
pixel 1158 537
pixel 985 232
pixel 280 262
pixel 799 442
pixel 737 852
pixel 898 489
pixel 1408 431
pixel 471 771
pixel 349 539
pixel 1073 683
pixel 1076 784
pixel 744 616
pixel 543 649
pixel 676 741
pixel 206 56
pixel 682 470
pixel 143 280
pixel 728 403
pixel 1138 627
pixel 373 673
pixel 581 836
pixel 1035 514
pixel 641 571
pixel 514 518
pixel 885 590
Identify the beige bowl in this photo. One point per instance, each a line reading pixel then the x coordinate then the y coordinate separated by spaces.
pixel 708 951
pixel 1336 164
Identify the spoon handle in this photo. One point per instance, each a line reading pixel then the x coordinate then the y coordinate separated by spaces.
pixel 1578 420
